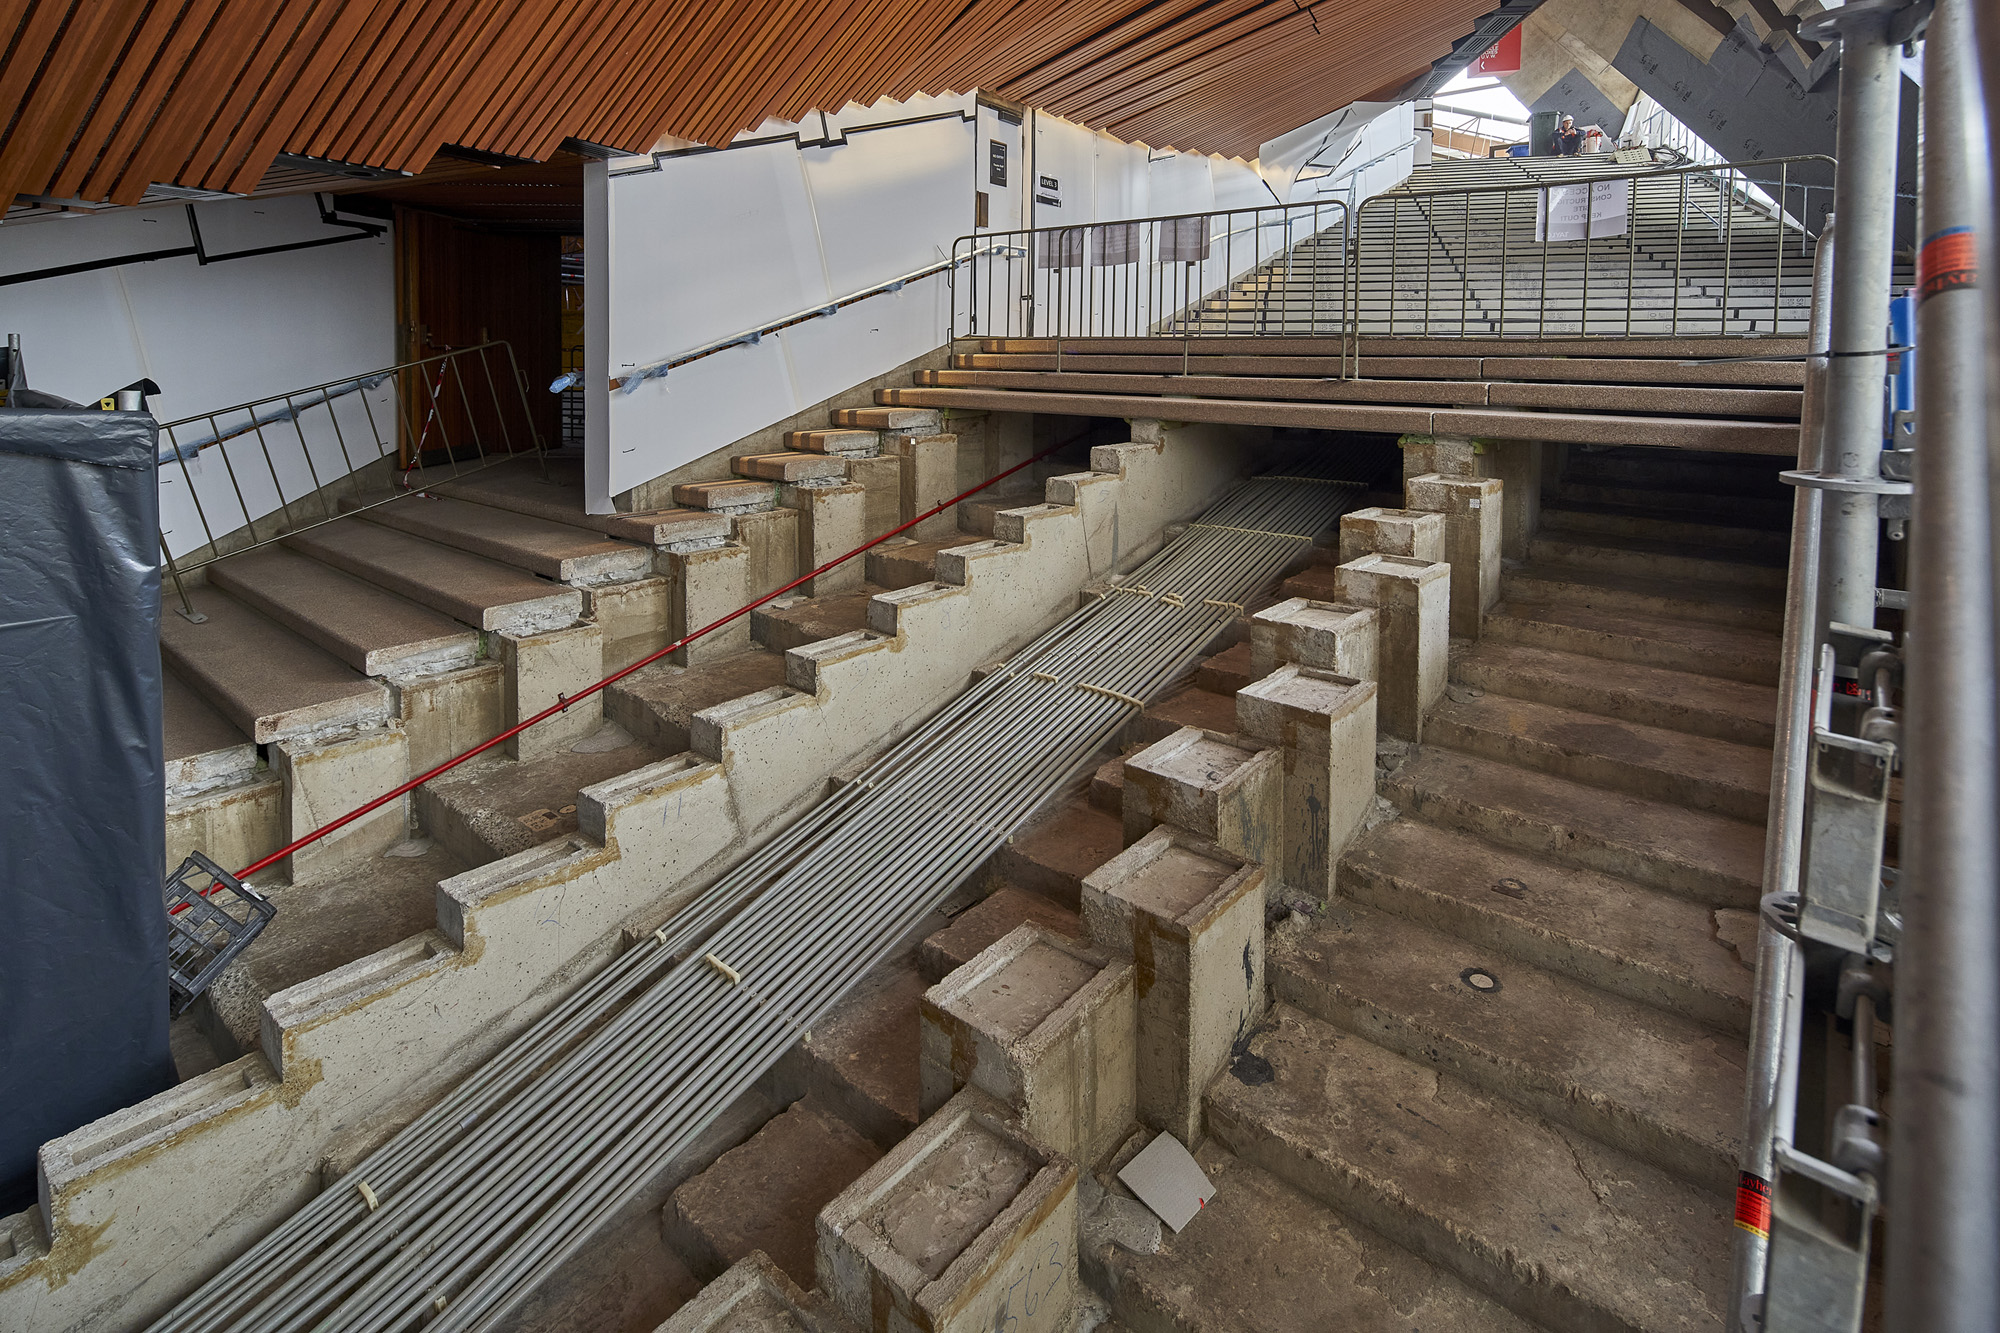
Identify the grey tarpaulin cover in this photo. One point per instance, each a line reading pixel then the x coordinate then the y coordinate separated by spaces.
pixel 83 980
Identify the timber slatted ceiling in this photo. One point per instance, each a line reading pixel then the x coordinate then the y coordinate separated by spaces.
pixel 100 98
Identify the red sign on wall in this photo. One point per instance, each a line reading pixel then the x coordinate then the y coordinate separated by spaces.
pixel 1503 58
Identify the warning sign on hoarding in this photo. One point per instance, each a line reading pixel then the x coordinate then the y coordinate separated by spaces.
pixel 1504 57
pixel 1592 209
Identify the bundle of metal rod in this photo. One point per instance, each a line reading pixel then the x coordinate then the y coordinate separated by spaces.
pixel 455 1219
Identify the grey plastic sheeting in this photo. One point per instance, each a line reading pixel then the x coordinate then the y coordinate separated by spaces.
pixel 83 977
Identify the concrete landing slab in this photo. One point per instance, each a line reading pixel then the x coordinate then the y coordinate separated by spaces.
pixel 492 806
pixel 764 1194
pixel 1725 651
pixel 558 551
pixel 658 703
pixel 861 1063
pixel 1618 936
pixel 1609 753
pixel 1699 705
pixel 265 681
pixel 375 632
pixel 780 625
pixel 1708 858
pixel 985 923
pixel 1052 855
pixel 1658 1086
pixel 1264 1256
pixel 478 592
pixel 1562 1230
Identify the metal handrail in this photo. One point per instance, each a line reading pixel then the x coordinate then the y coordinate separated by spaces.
pixel 1425 203
pixel 414 424
pixel 750 337
pixel 1152 284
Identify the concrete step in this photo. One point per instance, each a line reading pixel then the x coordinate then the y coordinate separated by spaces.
pixel 558 551
pixel 1226 672
pixel 791 622
pixel 765 1194
pixel 1705 857
pixel 1757 511
pixel 1726 710
pixel 375 632
pixel 790 466
pixel 267 682
pixel 197 737
pixel 1261 1255
pixel 902 420
pixel 669 527
pixel 1612 754
pixel 1107 787
pixel 1612 467
pixel 474 591
pixel 657 703
pixel 1651 1083
pixel 902 564
pixel 861 1063
pixel 552 490
pixel 492 807
pixel 1624 594
pixel 1655 948
pixel 843 443
pixel 975 516
pixel 1724 652
pixel 985 923
pixel 1570 1234
pixel 734 497
pixel 1644 557
pixel 1052 855
pixel 1687 527
pixel 1188 706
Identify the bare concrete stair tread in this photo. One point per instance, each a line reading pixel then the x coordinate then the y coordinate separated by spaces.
pixel 1652 1083
pixel 731 494
pixel 658 703
pixel 269 683
pixel 1753 608
pixel 780 625
pixel 1730 710
pixel 1561 1229
pixel 861 1063
pixel 482 593
pixel 553 491
pixel 1052 855
pixel 374 631
pixel 1652 947
pixel 1691 527
pixel 492 807
pixel 985 923
pixel 1314 581
pixel 192 724
pixel 1263 1256
pixel 559 551
pixel 1732 652
pixel 1226 672
pixel 1675 400
pixel 904 564
pixel 789 465
pixel 1188 706
pixel 1652 558
pixel 765 1194
pixel 1708 858
pixel 1612 753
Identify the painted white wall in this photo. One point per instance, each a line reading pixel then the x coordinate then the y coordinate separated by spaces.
pixel 211 335
pixel 699 246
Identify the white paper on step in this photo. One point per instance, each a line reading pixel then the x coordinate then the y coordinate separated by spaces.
pixel 1169 1181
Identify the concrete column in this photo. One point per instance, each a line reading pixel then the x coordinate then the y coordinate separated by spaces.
pixel 1191 915
pixel 1412 604
pixel 1213 785
pixel 636 618
pixel 322 782
pixel 1518 464
pixel 833 520
pixel 929 478
pixel 1445 455
pixel 1325 726
pixel 706 582
pixel 881 479
pixel 1473 517
pixel 771 536
pixel 540 670
pixel 1406 532
pixel 1326 635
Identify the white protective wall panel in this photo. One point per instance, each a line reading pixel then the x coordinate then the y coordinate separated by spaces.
pixel 889 201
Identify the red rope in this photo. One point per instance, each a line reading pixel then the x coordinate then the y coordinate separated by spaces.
pixel 562 703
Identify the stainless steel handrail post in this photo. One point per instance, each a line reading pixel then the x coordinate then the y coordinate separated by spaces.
pixel 1779 963
pixel 1944 1176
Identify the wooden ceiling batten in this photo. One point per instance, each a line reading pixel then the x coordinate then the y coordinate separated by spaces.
pixel 109 96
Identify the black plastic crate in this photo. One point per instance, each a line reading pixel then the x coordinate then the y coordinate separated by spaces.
pixel 211 917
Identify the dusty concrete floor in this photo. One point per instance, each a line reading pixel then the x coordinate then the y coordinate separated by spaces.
pixel 506 806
